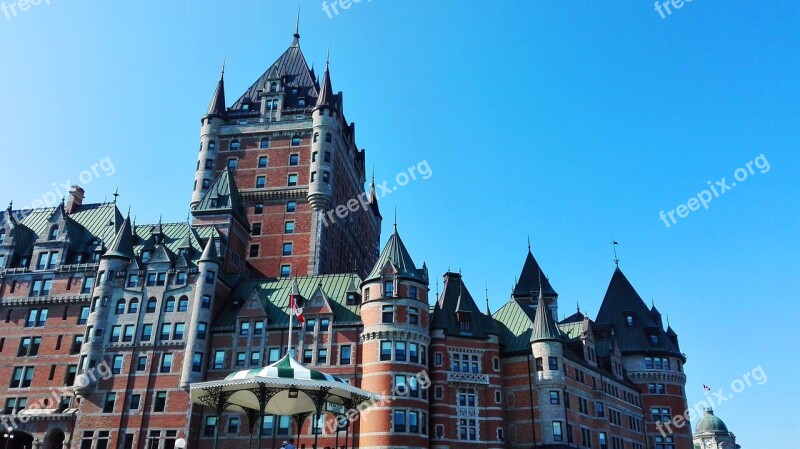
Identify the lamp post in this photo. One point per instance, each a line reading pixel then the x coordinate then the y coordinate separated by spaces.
pixel 8 435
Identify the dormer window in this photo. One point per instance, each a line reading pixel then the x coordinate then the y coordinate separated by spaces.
pixel 145 256
pixel 53 233
pixel 246 107
pixel 273 86
pixel 629 319
pixel 465 325
pixel 388 289
pixel 654 339
pixel 351 299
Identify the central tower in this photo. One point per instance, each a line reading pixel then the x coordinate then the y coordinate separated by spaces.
pixel 299 174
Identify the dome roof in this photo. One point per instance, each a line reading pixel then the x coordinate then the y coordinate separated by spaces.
pixel 711 424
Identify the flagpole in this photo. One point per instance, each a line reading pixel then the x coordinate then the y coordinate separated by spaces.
pixel 291 316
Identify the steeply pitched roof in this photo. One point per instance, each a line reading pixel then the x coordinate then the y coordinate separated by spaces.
pixel 222 196
pixel 528 283
pixel 292 66
pixel 621 299
pixel 326 89
pixel 217 106
pixel 544 326
pixel 515 321
pixel 122 245
pixel 456 300
pixel 396 254
pixel 210 252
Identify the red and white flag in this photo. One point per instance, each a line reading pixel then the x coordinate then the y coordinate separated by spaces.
pixel 296 310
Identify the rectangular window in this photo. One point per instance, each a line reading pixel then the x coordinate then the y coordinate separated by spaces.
pixel 274 355
pixel 134 402
pixel 291 180
pixel 387 314
pixel 399 420
pixel 209 426
pixel 219 359
pixel 413 316
pixel 244 329
pixel 262 162
pixel 258 209
pixel 345 354
pixel 413 353
pixel 291 206
pixel 141 363
pixel 166 363
pixel 388 289
pixel 255 358
pixel 256 229
pixel 261 182
pixel 400 351
pixel 386 350
pixel 287 248
pixel 177 334
pixel 166 331
pixel 286 271
pixel 294 159
pixel 558 434
pixel 308 355
pixel 322 356
pixel 116 364
pixel 288 227
pixel 160 402
pixel 555 397
pixel 553 363
pixel 206 302
pixel 108 405
pixel 147 332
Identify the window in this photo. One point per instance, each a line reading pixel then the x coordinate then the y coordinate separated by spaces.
pixel 210 277
pixel 413 353
pixel 286 271
pixel 345 354
pixel 180 278
pixel 233 425
pixel 264 143
pixel 151 280
pixel 386 350
pixel 234 145
pixel 120 309
pixel 41 287
pixel 308 355
pixel 147 332
pixel 437 359
pixel 261 182
pixel 166 331
pixel 177 334
pixel 601 438
pixel 262 162
pixel 209 164
pixel 291 180
pixel 169 304
pixel 244 329
pixel 233 163
pixel 160 402
pixel 295 141
pixel 326 176
pixel 555 397
pixel 274 355
pixel 141 363
pixel 558 434
pixel 255 230
pixel 36 318
pixel 127 335
pixel 53 233
pixel 413 316
pixel 133 306
pixel 629 319
pixel 258 209
pixel 288 227
pixel 134 402
pixel 400 351
pixel 205 302
pixel 310 324
pixel 21 377
pixel 322 356
pixel 29 346
pixel 412 292
pixel 77 342
pixel 287 249
pixel 388 289
pixel 108 405
pixel 324 324
pixel 291 206
pixel 116 364
pixel 539 364
pixel 665 442
pixel 210 425
pixel 166 363
pixel 2 235
pixel 255 358
pixel 327 156
pixel 86 288
pixel 552 363
pixel 387 314
pixel 467 429
pixel 183 304
pixel 219 359
pixel 599 409
pixel 151 305
pixel 399 420
pixel 661 414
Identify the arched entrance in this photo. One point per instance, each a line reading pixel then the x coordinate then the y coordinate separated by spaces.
pixel 54 439
pixel 21 440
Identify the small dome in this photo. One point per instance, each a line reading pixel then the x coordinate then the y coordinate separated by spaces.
pixel 711 424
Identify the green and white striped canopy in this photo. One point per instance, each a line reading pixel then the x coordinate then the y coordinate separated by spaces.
pixel 240 389
pixel 285 368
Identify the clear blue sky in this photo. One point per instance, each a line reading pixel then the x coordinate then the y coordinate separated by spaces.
pixel 569 122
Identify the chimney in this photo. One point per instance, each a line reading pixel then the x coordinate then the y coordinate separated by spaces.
pixel 75 198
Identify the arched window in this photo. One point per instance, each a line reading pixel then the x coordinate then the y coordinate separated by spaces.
pixel 151 305
pixel 53 233
pixel 169 304
pixel 2 235
pixel 273 87
pixel 235 145
pixel 133 307
pixel 183 304
pixel 120 309
pixel 328 137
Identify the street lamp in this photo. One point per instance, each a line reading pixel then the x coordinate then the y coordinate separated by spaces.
pixel 8 436
pixel 180 443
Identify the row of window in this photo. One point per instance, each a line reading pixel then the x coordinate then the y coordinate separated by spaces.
pixel 410 421
pixel 396 351
pixel 661 363
pixel 270 426
pixel 134 402
pixel 168 331
pixel 388 314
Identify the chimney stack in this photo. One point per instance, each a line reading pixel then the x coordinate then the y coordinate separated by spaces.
pixel 76 193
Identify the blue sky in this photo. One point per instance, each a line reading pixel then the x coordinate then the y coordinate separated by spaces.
pixel 569 122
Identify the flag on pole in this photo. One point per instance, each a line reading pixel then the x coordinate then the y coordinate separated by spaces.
pixel 293 298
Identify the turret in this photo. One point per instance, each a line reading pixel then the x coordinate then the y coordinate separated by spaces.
pixel 197 337
pixel 326 130
pixel 547 346
pixel 395 345
pixel 116 259
pixel 209 141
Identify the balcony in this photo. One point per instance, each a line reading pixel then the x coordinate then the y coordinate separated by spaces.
pixel 467 378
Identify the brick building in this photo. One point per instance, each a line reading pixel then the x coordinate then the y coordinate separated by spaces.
pixel 105 323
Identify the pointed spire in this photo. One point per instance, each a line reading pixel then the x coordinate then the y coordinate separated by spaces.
pixel 373 196
pixel 396 254
pixel 326 88
pixel 116 195
pixel 296 41
pixel 210 252
pixel 122 245
pixel 217 106
pixel 544 326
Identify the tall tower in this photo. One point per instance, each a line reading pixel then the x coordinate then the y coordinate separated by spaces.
pixel 547 347
pixel 651 358
pixel 394 346
pixel 300 173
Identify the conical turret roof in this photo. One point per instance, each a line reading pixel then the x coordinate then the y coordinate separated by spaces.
pixel 122 245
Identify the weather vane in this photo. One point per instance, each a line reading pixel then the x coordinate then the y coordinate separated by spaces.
pixel 614 244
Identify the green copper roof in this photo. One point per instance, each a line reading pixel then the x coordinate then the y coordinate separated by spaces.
pixel 222 197
pixel 396 254
pixel 274 295
pixel 709 423
pixel 515 322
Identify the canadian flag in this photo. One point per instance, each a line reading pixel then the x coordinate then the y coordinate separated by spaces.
pixel 296 311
